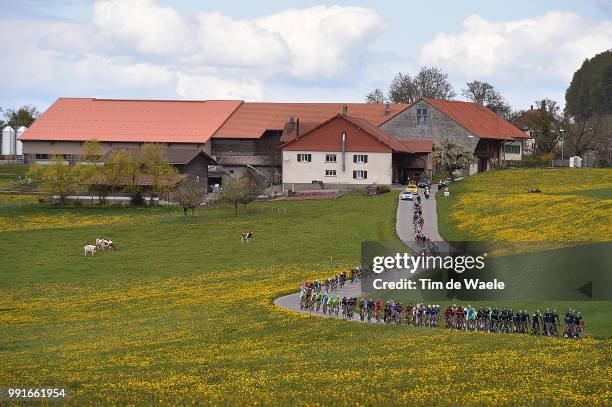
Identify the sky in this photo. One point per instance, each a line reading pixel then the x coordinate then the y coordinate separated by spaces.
pixel 271 50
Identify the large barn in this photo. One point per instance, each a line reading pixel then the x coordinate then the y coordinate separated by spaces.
pixel 237 137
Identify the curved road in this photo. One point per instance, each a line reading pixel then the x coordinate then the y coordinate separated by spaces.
pixel 405 231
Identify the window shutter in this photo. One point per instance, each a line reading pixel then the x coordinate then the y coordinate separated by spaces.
pixel 365 174
pixel 365 158
pixel 354 174
pixel 354 158
pixel 299 158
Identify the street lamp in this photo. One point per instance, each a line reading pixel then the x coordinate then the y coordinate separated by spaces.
pixel 562 141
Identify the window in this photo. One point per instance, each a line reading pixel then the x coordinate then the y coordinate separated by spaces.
pixel 42 156
pixel 304 158
pixel 330 173
pixel 421 117
pixel 360 158
pixel 330 158
pixel 360 174
pixel 512 148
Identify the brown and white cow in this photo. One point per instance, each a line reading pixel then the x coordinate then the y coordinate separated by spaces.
pixel 246 237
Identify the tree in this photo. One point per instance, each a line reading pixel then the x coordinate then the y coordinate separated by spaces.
pixel 403 89
pixel 588 105
pixel 91 170
pixel 430 82
pixel 190 196
pixel 156 165
pixel 244 191
pixel 485 94
pixel 586 134
pixel 58 178
pixel 376 96
pixel 433 83
pixel 111 171
pixel 546 125
pixel 24 116
pixel 125 171
pixel 590 92
pixel 452 156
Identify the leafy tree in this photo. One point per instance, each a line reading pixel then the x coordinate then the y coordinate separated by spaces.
pixel 485 94
pixel 590 92
pixel 546 124
pixel 452 156
pixel 244 191
pixel 58 178
pixel 91 168
pixel 127 171
pixel 190 196
pixel 24 116
pixel 111 171
pixel 430 82
pixel 376 96
pixel 156 165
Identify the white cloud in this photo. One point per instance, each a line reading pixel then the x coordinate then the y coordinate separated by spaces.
pixel 226 41
pixel 324 40
pixel 545 48
pixel 213 87
pixel 152 29
pixel 139 48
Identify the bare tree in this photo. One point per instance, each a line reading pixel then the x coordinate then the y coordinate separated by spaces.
pixel 587 133
pixel 403 89
pixel 190 196
pixel 485 94
pixel 430 82
pixel 546 124
pixel 376 96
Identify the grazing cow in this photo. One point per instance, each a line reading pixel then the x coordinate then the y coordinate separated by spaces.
pixel 105 244
pixel 89 248
pixel 246 237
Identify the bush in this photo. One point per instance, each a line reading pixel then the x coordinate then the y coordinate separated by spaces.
pixel 382 189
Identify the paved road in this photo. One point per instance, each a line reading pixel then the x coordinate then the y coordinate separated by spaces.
pixel 292 301
pixel 405 212
pixel 405 230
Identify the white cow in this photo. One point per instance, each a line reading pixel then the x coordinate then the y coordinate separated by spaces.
pixel 89 248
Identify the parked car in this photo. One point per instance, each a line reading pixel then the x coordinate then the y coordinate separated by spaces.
pixel 444 183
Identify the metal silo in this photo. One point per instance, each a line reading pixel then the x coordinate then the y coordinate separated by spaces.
pixel 8 141
pixel 18 143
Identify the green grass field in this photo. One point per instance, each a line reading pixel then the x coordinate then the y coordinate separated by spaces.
pixel 183 314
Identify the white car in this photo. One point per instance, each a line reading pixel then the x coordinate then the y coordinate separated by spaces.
pixel 406 196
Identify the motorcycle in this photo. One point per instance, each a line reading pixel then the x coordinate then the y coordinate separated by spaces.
pixel 426 193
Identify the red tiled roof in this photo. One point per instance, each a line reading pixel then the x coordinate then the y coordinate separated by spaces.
pixel 251 120
pixel 417 146
pixel 175 121
pixel 480 120
pixel 403 146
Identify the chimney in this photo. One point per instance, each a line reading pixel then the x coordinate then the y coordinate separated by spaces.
pixel 531 107
pixel 290 124
pixel 344 110
pixel 387 108
pixel 297 128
